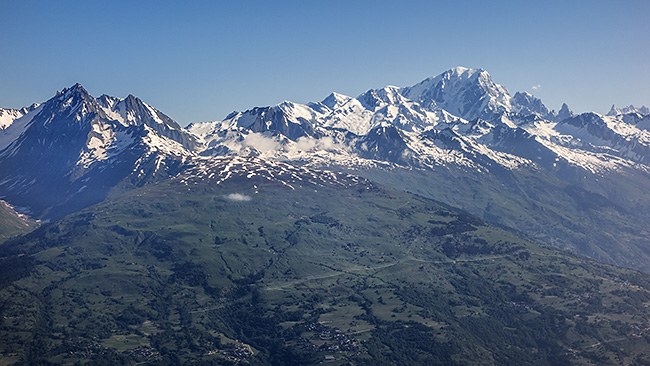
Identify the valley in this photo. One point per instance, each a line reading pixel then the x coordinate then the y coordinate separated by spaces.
pixel 180 272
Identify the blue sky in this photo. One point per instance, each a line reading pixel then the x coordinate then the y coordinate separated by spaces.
pixel 199 60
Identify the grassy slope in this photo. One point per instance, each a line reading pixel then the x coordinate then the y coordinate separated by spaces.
pixel 12 223
pixel 170 274
pixel 542 207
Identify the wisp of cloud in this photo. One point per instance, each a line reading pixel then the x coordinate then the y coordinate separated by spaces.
pixel 237 197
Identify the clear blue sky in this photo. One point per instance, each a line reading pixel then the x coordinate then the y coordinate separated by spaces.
pixel 199 60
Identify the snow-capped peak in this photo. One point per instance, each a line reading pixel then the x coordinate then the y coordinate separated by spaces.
pixel 74 101
pixel 297 111
pixel 374 99
pixel 335 100
pixel 526 103
pixel 17 128
pixel 8 116
pixel 464 92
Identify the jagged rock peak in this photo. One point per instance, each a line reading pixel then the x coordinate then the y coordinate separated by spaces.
pixel 74 102
pixel 564 113
pixel 527 103
pixel 77 88
pixel 629 109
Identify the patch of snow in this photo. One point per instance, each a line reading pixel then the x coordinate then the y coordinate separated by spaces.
pixel 8 116
pixel 154 114
pixel 16 129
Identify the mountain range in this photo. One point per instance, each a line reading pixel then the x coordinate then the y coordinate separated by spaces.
pixel 578 182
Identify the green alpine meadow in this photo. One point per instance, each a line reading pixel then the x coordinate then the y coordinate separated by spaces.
pixel 247 262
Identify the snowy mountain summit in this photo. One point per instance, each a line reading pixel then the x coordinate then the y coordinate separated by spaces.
pixel 463 92
pixel 69 151
pixel 484 124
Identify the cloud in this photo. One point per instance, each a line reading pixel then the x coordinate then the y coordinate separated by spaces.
pixel 535 87
pixel 261 142
pixel 312 144
pixel 238 197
